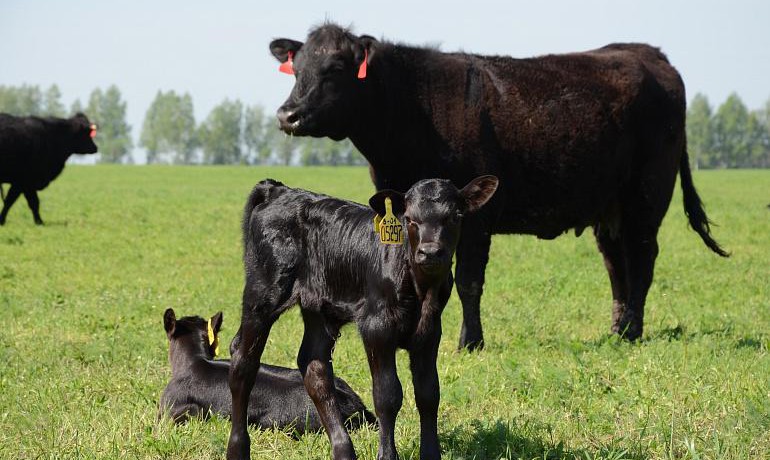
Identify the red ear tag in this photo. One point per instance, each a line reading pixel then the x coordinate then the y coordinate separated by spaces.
pixel 93 131
pixel 362 68
pixel 287 66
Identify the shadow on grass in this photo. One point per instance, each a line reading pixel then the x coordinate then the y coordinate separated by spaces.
pixel 502 439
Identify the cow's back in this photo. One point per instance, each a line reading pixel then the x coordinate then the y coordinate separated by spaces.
pixel 565 132
pixel 32 154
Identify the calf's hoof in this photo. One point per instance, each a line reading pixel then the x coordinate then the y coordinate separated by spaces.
pixel 238 449
pixel 38 221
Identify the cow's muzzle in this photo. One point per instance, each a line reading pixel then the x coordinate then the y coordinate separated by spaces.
pixel 288 120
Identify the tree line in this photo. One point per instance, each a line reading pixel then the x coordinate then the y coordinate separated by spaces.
pixel 232 133
pixel 730 136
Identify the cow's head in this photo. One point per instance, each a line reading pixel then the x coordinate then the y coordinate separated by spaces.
pixel 432 211
pixel 330 70
pixel 83 134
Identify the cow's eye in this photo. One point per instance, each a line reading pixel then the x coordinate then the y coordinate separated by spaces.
pixel 455 218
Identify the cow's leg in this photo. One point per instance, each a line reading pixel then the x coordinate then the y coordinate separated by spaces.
pixel 422 362
pixel 640 249
pixel 34 205
pixel 386 390
pixel 315 364
pixel 10 199
pixel 615 262
pixel 472 256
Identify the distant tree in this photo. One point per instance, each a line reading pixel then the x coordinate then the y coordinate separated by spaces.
pixel 21 101
pixel 256 136
pixel 109 111
pixel 52 105
pixel 285 147
pixel 169 129
pixel 731 138
pixel 758 155
pixel 221 134
pixel 76 107
pixel 699 131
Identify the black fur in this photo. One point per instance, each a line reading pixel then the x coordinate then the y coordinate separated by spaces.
pixel 199 386
pixel 322 253
pixel 33 151
pixel 590 139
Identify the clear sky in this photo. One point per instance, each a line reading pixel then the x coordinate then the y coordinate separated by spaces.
pixel 219 49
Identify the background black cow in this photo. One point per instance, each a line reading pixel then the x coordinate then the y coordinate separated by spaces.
pixel 592 139
pixel 33 151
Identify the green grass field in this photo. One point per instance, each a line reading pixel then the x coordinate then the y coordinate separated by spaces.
pixel 83 354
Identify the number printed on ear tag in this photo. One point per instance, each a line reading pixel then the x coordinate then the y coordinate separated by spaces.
pixel 389 228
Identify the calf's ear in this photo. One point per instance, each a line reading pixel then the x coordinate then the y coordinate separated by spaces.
pixel 216 323
pixel 478 192
pixel 377 202
pixel 169 321
pixel 280 48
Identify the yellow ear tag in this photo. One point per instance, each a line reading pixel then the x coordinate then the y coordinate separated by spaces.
pixel 213 339
pixel 389 227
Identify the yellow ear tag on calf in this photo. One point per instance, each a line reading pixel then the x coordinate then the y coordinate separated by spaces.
pixel 213 339
pixel 389 227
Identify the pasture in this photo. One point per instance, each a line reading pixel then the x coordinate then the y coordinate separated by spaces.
pixel 83 354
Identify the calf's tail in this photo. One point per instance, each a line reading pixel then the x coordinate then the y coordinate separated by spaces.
pixel 261 192
pixel 693 207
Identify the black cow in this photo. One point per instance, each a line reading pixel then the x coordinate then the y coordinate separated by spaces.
pixel 592 139
pixel 33 151
pixel 199 383
pixel 321 252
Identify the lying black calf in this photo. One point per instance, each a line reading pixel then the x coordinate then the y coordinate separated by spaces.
pixel 321 253
pixel 199 384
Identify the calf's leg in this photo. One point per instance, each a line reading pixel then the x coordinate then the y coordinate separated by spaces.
pixel 315 363
pixel 243 372
pixel 10 199
pixel 387 392
pixel 422 362
pixel 34 205
pixel 472 257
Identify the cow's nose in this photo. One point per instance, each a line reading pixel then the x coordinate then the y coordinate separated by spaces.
pixel 429 254
pixel 288 119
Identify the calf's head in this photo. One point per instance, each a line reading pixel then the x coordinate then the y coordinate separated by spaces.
pixel 331 69
pixel 432 211
pixel 82 133
pixel 192 334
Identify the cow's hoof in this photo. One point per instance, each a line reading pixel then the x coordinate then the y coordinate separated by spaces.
pixel 471 345
pixel 629 332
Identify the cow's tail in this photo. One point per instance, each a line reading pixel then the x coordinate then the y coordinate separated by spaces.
pixel 693 207
pixel 2 193
pixel 261 193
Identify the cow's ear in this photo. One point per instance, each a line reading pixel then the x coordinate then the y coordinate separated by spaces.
pixel 280 48
pixel 377 202
pixel 478 192
pixel 169 321
pixel 364 48
pixel 216 323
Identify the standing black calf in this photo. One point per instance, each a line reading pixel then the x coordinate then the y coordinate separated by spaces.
pixel 33 151
pixel 199 383
pixel 320 252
